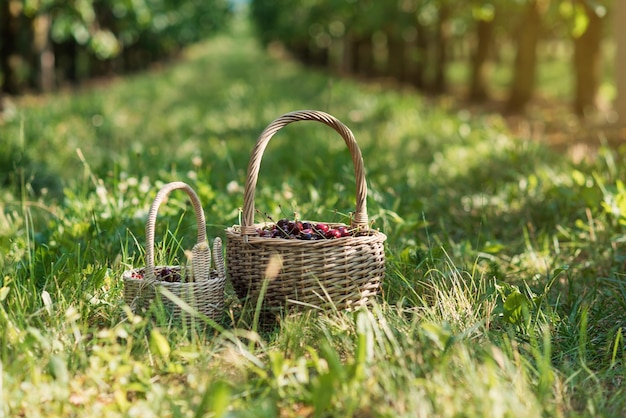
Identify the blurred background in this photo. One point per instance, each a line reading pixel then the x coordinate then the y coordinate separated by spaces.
pixel 46 44
pixel 503 53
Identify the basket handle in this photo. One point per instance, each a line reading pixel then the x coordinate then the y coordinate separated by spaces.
pixel 359 219
pixel 201 254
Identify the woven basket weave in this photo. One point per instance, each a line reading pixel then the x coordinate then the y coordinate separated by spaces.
pixel 343 272
pixel 200 286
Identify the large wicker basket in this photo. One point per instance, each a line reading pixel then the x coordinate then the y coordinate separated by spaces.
pixel 343 272
pixel 200 286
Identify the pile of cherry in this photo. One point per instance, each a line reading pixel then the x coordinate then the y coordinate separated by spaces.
pixel 164 274
pixel 289 229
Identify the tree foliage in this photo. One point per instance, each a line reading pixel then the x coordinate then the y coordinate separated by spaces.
pixel 91 37
pixel 413 41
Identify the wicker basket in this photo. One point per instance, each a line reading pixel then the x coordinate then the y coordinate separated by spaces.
pixel 343 272
pixel 200 287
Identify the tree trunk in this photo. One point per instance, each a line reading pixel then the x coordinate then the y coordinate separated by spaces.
pixel 363 55
pixel 526 58
pixel 439 84
pixel 66 57
pixel 478 82
pixel 419 57
pixel 587 60
pixel 8 47
pixel 345 64
pixel 396 62
pixel 619 28
pixel 300 50
pixel 318 56
pixel 43 53
pixel 354 52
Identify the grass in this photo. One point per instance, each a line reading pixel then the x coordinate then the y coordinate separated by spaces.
pixel 504 293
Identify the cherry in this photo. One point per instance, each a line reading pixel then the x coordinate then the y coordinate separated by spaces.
pixel 323 228
pixel 167 275
pixel 343 231
pixel 283 224
pixel 308 235
pixel 304 230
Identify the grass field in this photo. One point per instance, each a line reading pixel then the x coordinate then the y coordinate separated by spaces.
pixel 504 293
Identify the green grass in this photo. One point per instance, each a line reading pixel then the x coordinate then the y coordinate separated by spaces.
pixel 504 293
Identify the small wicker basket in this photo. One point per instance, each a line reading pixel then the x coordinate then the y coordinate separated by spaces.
pixel 342 272
pixel 201 287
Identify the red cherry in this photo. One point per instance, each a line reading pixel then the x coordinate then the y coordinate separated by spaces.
pixel 323 228
pixel 343 231
pixel 333 233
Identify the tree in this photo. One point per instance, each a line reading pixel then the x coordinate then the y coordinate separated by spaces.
pixel 484 17
pixel 43 38
pixel 44 56
pixel 442 36
pixel 619 34
pixel 525 64
pixel 9 34
pixel 365 17
pixel 587 55
pixel 419 56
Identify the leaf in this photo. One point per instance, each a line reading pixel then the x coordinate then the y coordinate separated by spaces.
pixel 514 306
pixel 493 247
pixel 322 394
pixel 581 21
pixel 579 178
pixel 216 400
pixel 440 335
pixel 159 344
pixel 364 349
pixel 485 12
pixel 4 292
pixel 58 369
pixel 277 361
pixel 335 367
pixel 47 301
pixel 557 271
pixel 566 9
